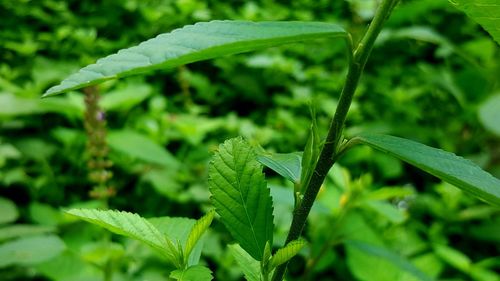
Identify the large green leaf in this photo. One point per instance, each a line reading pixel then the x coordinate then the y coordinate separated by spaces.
pixel 445 165
pixel 484 12
pixel 130 225
pixel 241 197
pixel 193 43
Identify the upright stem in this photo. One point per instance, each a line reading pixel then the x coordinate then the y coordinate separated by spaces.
pixel 328 154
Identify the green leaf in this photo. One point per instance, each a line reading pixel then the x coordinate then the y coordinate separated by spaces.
pixel 177 229
pixel 8 210
pixel 453 257
pixel 249 266
pixel 193 43
pixel 19 230
pixel 286 253
pixel 196 232
pixel 286 165
pixel 445 165
pixel 489 114
pixel 130 225
pixel 141 147
pixel 30 250
pixel 484 12
pixel 390 256
pixel 241 197
pixel 193 273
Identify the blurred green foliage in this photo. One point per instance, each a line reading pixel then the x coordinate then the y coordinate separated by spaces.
pixel 433 77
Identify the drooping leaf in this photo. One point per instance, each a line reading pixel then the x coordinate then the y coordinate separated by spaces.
pixel 248 265
pixel 286 165
pixel 139 146
pixel 30 250
pixel 286 253
pixel 484 12
pixel 196 232
pixel 130 225
pixel 445 165
pixel 193 43
pixel 8 211
pixel 241 197
pixel 192 273
pixel 390 256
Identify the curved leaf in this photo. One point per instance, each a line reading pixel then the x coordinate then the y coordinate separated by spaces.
pixel 286 253
pixel 130 225
pixel 287 165
pixel 196 232
pixel 248 265
pixel 202 41
pixel 241 197
pixel 445 165
pixel 484 12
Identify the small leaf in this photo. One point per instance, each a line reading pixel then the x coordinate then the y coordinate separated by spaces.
pixel 196 232
pixel 390 256
pixel 30 250
pixel 241 197
pixel 8 210
pixel 489 114
pixel 484 12
pixel 130 225
pixel 286 165
pixel 453 257
pixel 286 253
pixel 249 266
pixel 192 273
pixel 311 153
pixel 445 165
pixel 202 41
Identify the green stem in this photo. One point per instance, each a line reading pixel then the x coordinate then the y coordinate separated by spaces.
pixel 329 154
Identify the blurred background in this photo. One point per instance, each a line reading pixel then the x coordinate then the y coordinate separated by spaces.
pixel 433 77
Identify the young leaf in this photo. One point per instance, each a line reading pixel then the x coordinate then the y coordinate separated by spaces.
pixel 192 273
pixel 130 225
pixel 390 256
pixel 286 253
pixel 241 197
pixel 193 43
pixel 249 266
pixel 484 12
pixel 311 152
pixel 196 232
pixel 445 165
pixel 286 165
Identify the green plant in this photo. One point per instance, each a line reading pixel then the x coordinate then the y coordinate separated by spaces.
pixel 239 191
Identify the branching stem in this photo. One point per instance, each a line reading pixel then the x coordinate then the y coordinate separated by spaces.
pixel 329 152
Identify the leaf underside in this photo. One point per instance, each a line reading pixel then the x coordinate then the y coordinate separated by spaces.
pixel 447 166
pixel 287 165
pixel 241 197
pixel 202 41
pixel 484 12
pixel 126 224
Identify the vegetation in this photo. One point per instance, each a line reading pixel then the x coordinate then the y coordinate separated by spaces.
pixel 351 205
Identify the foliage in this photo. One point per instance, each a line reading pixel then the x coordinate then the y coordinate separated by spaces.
pixel 432 77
